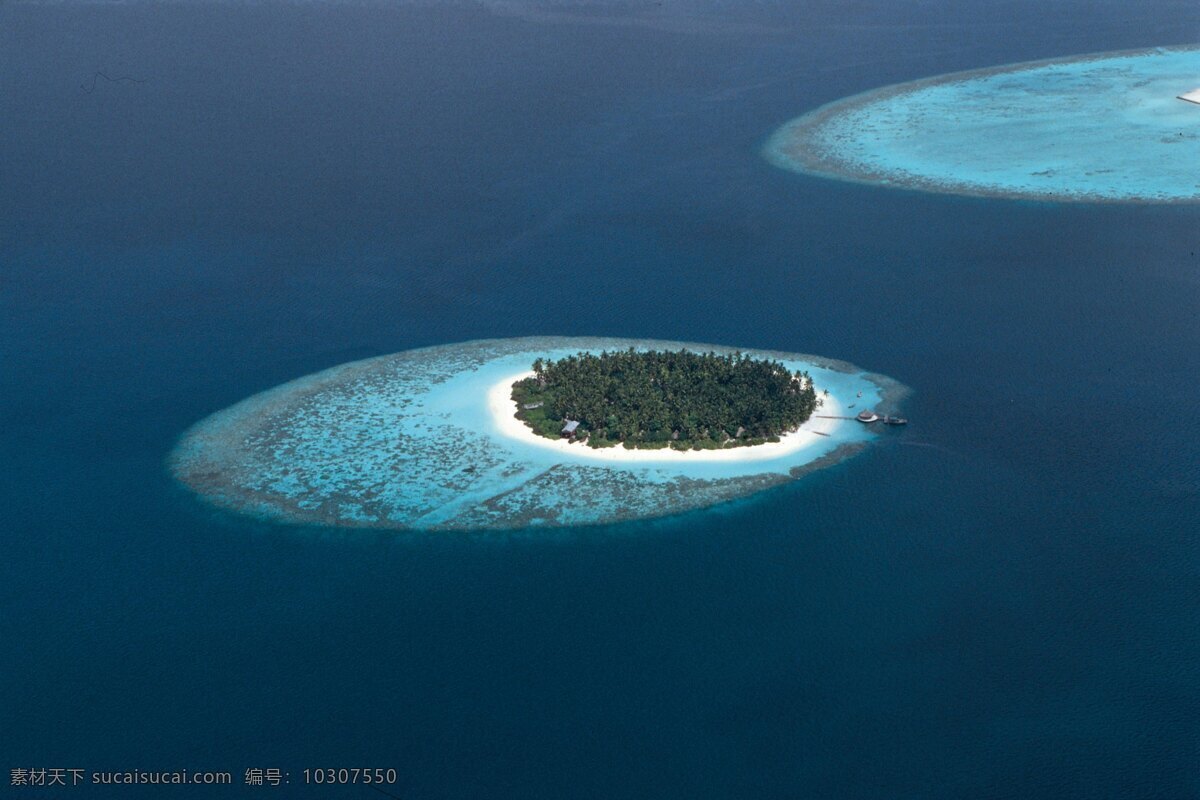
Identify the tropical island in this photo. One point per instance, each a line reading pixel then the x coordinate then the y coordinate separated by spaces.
pixel 429 439
pixel 655 399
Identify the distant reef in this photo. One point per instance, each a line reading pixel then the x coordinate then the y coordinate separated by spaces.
pixel 428 440
pixel 1107 127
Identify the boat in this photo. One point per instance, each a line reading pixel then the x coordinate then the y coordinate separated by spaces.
pixel 889 420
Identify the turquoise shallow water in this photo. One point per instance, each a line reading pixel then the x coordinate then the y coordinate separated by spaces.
pixel 408 441
pixel 1099 127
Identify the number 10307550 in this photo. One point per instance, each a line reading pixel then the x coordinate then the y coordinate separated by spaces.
pixel 355 775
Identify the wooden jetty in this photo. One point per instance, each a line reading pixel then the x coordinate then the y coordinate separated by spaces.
pixel 867 417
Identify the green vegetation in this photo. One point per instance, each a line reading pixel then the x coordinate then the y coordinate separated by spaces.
pixel 660 399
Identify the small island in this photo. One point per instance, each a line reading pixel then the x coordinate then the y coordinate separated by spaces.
pixel 430 439
pixel 658 399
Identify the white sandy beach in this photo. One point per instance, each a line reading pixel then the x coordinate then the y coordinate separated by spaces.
pixel 503 409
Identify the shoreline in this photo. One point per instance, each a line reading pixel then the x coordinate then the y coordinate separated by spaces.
pixel 504 409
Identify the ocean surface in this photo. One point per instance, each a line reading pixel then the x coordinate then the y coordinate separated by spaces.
pixel 1001 602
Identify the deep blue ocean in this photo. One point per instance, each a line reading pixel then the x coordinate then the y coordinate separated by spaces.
pixel 1001 602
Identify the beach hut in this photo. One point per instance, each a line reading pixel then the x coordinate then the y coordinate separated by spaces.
pixel 570 427
pixel 867 416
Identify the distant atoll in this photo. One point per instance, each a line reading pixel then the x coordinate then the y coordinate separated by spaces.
pixel 1107 127
pixel 430 439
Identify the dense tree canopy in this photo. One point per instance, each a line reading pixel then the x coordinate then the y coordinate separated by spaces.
pixel 659 399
